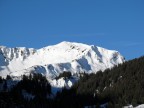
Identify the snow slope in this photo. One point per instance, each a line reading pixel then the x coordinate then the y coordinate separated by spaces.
pixel 52 60
pixel 130 106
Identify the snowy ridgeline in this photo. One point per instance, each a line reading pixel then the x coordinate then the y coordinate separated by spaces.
pixel 130 106
pixel 53 60
pixel 105 106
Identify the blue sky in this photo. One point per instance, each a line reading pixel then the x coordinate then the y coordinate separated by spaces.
pixel 113 24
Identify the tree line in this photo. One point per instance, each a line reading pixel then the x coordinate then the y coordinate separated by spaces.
pixel 116 87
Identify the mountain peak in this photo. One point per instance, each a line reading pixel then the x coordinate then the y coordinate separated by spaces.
pixel 73 45
pixel 52 60
pixel 68 43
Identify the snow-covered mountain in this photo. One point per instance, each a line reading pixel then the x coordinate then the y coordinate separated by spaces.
pixel 52 60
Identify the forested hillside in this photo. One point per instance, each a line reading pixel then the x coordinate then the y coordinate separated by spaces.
pixel 116 87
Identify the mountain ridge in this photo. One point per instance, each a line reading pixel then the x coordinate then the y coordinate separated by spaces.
pixel 54 59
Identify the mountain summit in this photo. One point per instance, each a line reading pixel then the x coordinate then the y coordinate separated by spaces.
pixel 55 59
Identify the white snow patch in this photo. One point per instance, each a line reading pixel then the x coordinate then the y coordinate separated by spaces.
pixel 55 59
pixel 130 106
